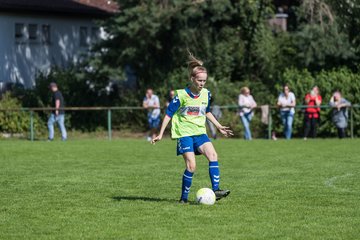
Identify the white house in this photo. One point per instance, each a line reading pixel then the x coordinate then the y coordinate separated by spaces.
pixel 36 34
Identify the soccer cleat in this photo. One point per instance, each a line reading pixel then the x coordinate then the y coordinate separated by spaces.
pixel 221 194
pixel 183 201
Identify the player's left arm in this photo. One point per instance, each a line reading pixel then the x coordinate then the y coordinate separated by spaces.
pixel 253 104
pixel 344 104
pixel 318 100
pixel 293 102
pixel 145 103
pixel 226 131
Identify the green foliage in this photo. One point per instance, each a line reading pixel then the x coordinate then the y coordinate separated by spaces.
pixel 348 18
pixel 154 40
pixel 16 122
pixel 320 48
pixel 85 86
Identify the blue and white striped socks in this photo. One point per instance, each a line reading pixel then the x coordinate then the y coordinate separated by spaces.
pixel 214 173
pixel 186 184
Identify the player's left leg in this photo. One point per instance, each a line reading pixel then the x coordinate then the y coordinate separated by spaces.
pixel 214 172
pixel 61 123
pixel 50 124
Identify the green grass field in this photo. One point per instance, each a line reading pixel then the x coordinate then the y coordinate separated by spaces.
pixel 128 189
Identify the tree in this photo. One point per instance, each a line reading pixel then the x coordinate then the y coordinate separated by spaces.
pixel 149 35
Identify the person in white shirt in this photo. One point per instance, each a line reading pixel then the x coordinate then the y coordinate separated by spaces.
pixel 247 104
pixel 287 103
pixel 152 104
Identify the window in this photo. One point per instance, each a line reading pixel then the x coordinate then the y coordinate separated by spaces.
pixel 83 36
pixel 19 31
pixel 45 33
pixel 33 31
pixel 95 34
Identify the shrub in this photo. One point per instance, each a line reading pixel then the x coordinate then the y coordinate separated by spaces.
pixel 16 122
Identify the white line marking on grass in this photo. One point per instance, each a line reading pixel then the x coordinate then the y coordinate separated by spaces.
pixel 330 182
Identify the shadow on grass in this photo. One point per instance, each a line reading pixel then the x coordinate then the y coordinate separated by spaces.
pixel 141 198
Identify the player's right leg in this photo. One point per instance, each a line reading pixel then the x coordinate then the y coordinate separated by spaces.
pixel 50 125
pixel 185 147
pixel 190 164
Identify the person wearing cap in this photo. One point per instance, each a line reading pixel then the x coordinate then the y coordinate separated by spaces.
pixel 57 115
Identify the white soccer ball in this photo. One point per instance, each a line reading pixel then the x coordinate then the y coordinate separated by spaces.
pixel 205 196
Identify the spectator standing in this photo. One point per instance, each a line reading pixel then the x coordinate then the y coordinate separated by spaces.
pixel 340 113
pixel 287 103
pixel 216 111
pixel 170 97
pixel 57 115
pixel 312 113
pixel 152 104
pixel 247 104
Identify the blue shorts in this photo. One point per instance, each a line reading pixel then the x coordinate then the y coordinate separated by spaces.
pixel 191 144
pixel 154 122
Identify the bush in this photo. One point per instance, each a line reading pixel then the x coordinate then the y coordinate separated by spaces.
pixel 82 87
pixel 16 122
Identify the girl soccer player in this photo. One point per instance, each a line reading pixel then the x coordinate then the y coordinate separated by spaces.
pixel 188 112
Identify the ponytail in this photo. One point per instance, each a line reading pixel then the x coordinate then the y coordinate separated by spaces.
pixel 195 65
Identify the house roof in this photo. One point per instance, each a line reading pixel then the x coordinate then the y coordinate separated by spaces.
pixel 78 7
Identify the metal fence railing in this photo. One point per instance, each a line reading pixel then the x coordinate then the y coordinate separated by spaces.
pixel 109 110
pixel 274 110
pixel 302 107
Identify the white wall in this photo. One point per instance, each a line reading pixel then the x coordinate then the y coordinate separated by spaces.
pixel 21 61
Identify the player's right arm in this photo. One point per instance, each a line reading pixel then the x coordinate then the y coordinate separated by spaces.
pixel 170 111
pixel 162 129
pixel 145 103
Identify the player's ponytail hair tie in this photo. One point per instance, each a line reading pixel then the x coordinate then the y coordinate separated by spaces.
pixel 195 65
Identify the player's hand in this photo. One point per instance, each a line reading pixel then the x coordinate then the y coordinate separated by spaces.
pixel 226 131
pixel 156 139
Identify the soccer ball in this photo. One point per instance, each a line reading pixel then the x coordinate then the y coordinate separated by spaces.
pixel 205 196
